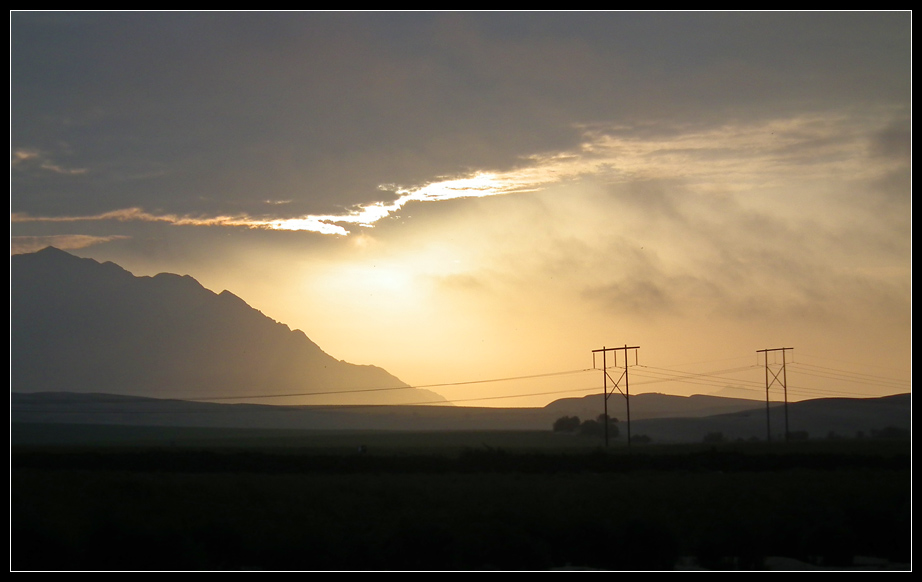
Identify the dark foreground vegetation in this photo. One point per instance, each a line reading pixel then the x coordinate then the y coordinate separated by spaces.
pixel 484 507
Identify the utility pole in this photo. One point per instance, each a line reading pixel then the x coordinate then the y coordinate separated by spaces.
pixel 784 383
pixel 616 384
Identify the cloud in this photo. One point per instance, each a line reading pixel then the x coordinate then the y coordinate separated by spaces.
pixel 310 223
pixel 894 141
pixel 654 249
pixel 22 159
pixel 322 108
pixel 733 157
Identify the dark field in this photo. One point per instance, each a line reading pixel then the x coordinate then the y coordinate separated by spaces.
pixel 183 499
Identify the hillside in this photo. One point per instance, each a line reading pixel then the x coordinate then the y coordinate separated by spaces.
pixel 821 418
pixel 78 325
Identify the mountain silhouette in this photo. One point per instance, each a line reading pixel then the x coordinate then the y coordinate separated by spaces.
pixel 77 325
pixel 67 418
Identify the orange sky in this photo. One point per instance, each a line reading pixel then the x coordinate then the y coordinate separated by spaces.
pixel 473 197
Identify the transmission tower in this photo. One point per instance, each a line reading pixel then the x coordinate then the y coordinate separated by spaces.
pixel 616 384
pixel 783 380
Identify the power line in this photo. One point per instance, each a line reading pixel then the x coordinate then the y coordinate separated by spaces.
pixel 122 400
pixel 806 391
pixel 524 395
pixel 849 362
pixel 383 389
pixel 747 358
pixel 653 375
pixel 826 393
pixel 715 378
pixel 833 374
pixel 679 376
pixel 420 403
pixel 503 379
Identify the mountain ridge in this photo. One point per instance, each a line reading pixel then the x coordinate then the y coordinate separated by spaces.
pixel 83 326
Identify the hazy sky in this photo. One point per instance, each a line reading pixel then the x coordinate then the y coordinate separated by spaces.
pixel 467 196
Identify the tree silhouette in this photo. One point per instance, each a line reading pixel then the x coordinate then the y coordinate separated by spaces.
pixel 596 427
pixel 566 424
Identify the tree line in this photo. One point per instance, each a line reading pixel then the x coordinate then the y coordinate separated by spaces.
pixel 591 427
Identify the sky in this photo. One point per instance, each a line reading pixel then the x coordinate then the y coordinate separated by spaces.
pixel 463 197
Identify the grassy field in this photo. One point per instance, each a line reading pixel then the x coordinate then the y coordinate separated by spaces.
pixel 271 500
pixel 326 441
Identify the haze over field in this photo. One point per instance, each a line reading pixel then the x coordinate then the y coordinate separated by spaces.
pixel 458 197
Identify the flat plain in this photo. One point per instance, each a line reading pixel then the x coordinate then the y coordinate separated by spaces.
pixel 212 499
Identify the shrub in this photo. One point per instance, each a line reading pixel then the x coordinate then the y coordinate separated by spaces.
pixel 566 424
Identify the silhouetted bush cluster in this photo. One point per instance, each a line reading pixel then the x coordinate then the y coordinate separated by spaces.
pixel 567 424
pixel 592 427
pixel 891 432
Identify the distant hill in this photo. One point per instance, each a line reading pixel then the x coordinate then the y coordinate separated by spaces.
pixel 821 418
pixel 815 419
pixel 653 405
pixel 77 325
